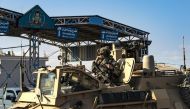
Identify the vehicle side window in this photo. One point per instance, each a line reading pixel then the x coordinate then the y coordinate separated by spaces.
pixel 75 81
pixel 10 95
pixel 47 82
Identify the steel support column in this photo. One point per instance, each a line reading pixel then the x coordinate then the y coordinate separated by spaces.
pixel 33 53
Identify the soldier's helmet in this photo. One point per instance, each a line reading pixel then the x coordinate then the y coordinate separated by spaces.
pixel 105 51
pixel 98 52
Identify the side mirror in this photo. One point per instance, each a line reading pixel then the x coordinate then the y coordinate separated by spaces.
pixel 59 57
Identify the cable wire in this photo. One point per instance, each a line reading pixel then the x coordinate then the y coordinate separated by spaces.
pixel 14 47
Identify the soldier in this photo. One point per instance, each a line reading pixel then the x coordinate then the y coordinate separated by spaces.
pixel 96 66
pixel 105 66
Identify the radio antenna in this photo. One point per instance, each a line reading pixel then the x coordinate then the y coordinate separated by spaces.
pixel 184 59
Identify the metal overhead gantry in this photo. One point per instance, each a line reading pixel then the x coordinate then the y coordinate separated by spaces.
pixel 89 30
pixel 9 15
pixel 89 25
pixel 125 30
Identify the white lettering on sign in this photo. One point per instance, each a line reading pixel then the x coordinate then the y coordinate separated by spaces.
pixel 109 35
pixel 4 26
pixel 66 32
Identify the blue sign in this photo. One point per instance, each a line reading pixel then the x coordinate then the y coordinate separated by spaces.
pixel 109 35
pixel 67 32
pixel 36 18
pixel 4 26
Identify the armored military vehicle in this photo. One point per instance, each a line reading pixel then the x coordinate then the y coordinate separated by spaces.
pixel 110 85
pixel 132 82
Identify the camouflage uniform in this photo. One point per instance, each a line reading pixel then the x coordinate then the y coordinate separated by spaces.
pixel 105 67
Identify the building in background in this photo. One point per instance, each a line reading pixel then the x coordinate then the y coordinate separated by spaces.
pixel 10 70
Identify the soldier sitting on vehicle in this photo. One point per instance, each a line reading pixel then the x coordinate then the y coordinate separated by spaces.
pixel 105 67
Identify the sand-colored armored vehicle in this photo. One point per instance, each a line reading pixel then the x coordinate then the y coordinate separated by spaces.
pixel 143 85
pixel 133 82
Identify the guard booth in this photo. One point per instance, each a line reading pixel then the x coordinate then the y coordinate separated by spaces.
pixel 83 35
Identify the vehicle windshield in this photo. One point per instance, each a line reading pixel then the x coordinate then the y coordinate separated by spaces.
pixel 47 83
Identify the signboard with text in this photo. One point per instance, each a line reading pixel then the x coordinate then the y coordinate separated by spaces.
pixel 109 35
pixel 67 33
pixel 4 26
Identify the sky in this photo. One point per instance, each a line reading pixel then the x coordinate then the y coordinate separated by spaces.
pixel 166 20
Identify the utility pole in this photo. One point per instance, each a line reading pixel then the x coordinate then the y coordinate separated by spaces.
pixel 184 59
